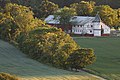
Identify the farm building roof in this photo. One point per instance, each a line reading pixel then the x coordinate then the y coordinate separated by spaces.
pixel 79 20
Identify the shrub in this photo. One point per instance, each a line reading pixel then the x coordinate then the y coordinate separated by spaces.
pixel 48 45
pixel 81 58
pixel 5 76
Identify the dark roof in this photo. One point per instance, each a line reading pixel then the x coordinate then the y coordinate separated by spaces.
pixel 97 18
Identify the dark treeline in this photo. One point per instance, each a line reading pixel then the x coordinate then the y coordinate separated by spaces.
pixel 61 3
pixel 112 3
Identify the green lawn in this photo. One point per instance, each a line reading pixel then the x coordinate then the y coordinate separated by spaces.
pixel 107 51
pixel 15 62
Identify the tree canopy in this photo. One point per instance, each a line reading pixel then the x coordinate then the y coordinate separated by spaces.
pixel 83 8
pixel 48 45
pixel 108 15
pixel 46 8
pixel 65 14
pixel 16 19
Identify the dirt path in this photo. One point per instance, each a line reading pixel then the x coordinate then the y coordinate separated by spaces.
pixel 15 62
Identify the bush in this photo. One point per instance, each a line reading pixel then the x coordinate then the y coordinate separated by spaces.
pixel 81 58
pixel 48 45
pixel 5 76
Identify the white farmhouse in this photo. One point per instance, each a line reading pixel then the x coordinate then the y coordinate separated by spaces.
pixel 83 25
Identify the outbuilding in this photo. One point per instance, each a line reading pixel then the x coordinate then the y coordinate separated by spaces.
pixel 82 25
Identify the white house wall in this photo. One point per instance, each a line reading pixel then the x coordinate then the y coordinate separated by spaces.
pixel 89 28
pixel 80 29
pixel 105 28
pixel 97 32
pixel 77 29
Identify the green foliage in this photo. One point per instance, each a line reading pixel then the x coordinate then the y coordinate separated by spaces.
pixel 5 76
pixel 8 28
pixel 108 15
pixel 48 45
pixel 46 8
pixel 83 8
pixel 65 15
pixel 81 58
pixel 17 19
pixel 22 16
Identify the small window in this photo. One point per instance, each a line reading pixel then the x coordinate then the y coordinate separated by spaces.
pixel 73 30
pixel 78 25
pixel 91 25
pixel 91 31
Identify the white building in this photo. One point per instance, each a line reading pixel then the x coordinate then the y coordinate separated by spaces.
pixel 83 25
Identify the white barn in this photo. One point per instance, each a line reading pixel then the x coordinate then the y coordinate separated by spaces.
pixel 83 25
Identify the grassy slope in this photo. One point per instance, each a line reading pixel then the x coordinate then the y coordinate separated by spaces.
pixel 14 62
pixel 107 51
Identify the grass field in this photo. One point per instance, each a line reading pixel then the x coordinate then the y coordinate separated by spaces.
pixel 14 62
pixel 107 51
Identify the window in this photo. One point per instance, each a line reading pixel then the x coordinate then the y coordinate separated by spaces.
pixel 91 25
pixel 90 31
pixel 72 30
pixel 78 25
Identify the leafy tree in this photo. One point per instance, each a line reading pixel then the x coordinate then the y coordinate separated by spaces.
pixel 74 5
pixel 81 58
pixel 47 8
pixel 118 11
pixel 16 19
pixel 22 16
pixel 8 28
pixel 83 8
pixel 64 15
pixel 108 15
pixel 48 45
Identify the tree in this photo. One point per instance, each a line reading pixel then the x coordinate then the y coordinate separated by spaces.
pixel 80 58
pixel 83 8
pixel 22 16
pixel 118 12
pixel 16 19
pixel 47 8
pixel 48 45
pixel 64 15
pixel 107 14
